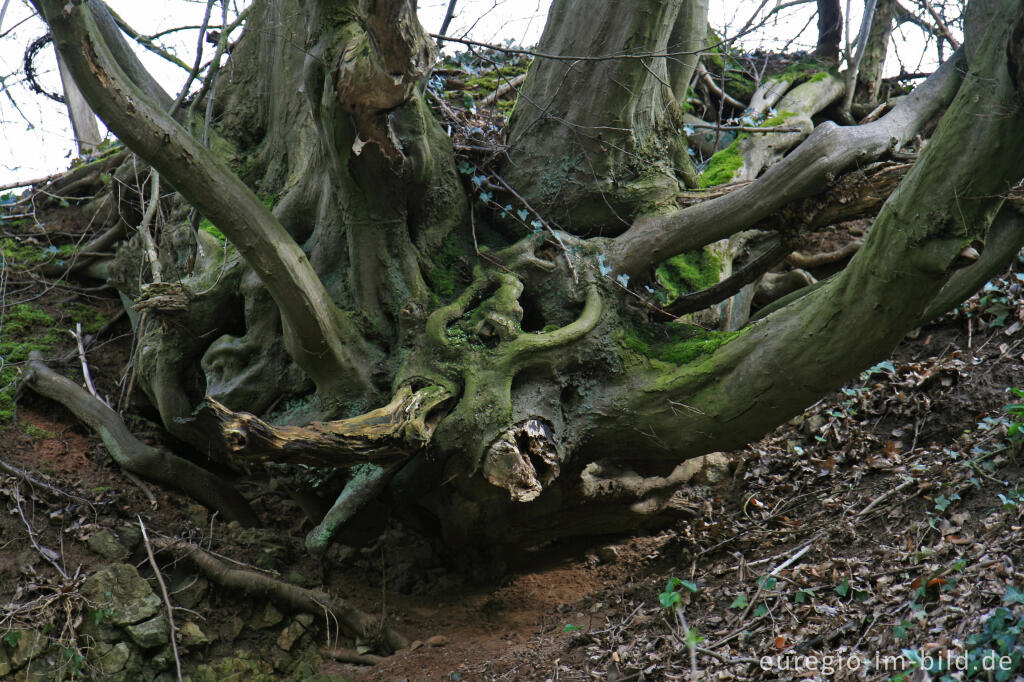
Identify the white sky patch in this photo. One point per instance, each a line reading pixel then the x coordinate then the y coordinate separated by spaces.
pixel 36 137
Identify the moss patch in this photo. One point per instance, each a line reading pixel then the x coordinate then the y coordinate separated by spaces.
pixel 724 163
pixel 21 253
pixel 688 272
pixel 449 273
pixel 208 227
pixel 25 328
pixel 809 70
pixel 722 166
pixel 675 343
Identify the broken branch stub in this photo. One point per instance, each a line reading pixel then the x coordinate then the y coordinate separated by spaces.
pixel 523 459
pixel 383 436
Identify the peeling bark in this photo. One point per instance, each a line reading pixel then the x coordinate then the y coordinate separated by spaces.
pixel 383 436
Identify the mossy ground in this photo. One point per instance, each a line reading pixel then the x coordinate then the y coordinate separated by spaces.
pixel 37 318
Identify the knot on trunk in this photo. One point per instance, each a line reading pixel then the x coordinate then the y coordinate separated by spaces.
pixel 523 459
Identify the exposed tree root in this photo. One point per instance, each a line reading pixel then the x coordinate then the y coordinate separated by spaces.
pixel 361 624
pixel 816 260
pixel 132 454
pixel 349 656
pixel 367 482
pixel 731 285
pixel 383 436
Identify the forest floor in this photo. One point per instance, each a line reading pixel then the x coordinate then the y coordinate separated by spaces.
pixel 876 533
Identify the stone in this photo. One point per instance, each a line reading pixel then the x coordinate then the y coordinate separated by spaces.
pixel 294 630
pixel 106 544
pixel 150 633
pixel 27 646
pixel 198 514
pixel 163 660
pixel 110 658
pixel 716 468
pixel 130 536
pixel 437 640
pixel 189 592
pixel 190 634
pixel 267 618
pixel 118 593
pixel 231 629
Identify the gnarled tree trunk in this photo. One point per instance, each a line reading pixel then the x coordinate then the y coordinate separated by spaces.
pixel 527 394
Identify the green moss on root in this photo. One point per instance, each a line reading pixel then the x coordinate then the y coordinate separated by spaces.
pixel 723 166
pixel 676 344
pixel 688 272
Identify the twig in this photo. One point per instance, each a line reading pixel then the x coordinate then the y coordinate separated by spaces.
pixel 875 113
pixel 77 333
pixel 503 90
pixel 726 659
pixel 27 477
pixel 886 495
pixel 862 42
pixel 562 57
pixel 209 89
pixel 747 129
pixel 45 552
pixel 448 15
pixel 941 25
pixel 788 562
pixel 806 261
pixel 785 564
pixel 147 219
pixel 251 582
pixel 145 41
pixel 722 95
pixel 27 183
pixel 163 590
pixel 199 60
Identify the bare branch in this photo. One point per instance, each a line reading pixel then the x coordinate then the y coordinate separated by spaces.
pixel 806 171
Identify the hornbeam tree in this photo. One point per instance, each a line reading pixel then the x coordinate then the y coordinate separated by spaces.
pixel 368 314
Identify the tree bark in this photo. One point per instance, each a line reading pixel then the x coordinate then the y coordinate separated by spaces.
pixel 594 141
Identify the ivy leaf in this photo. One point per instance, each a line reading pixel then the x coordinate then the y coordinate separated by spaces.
pixel 740 602
pixel 1013 595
